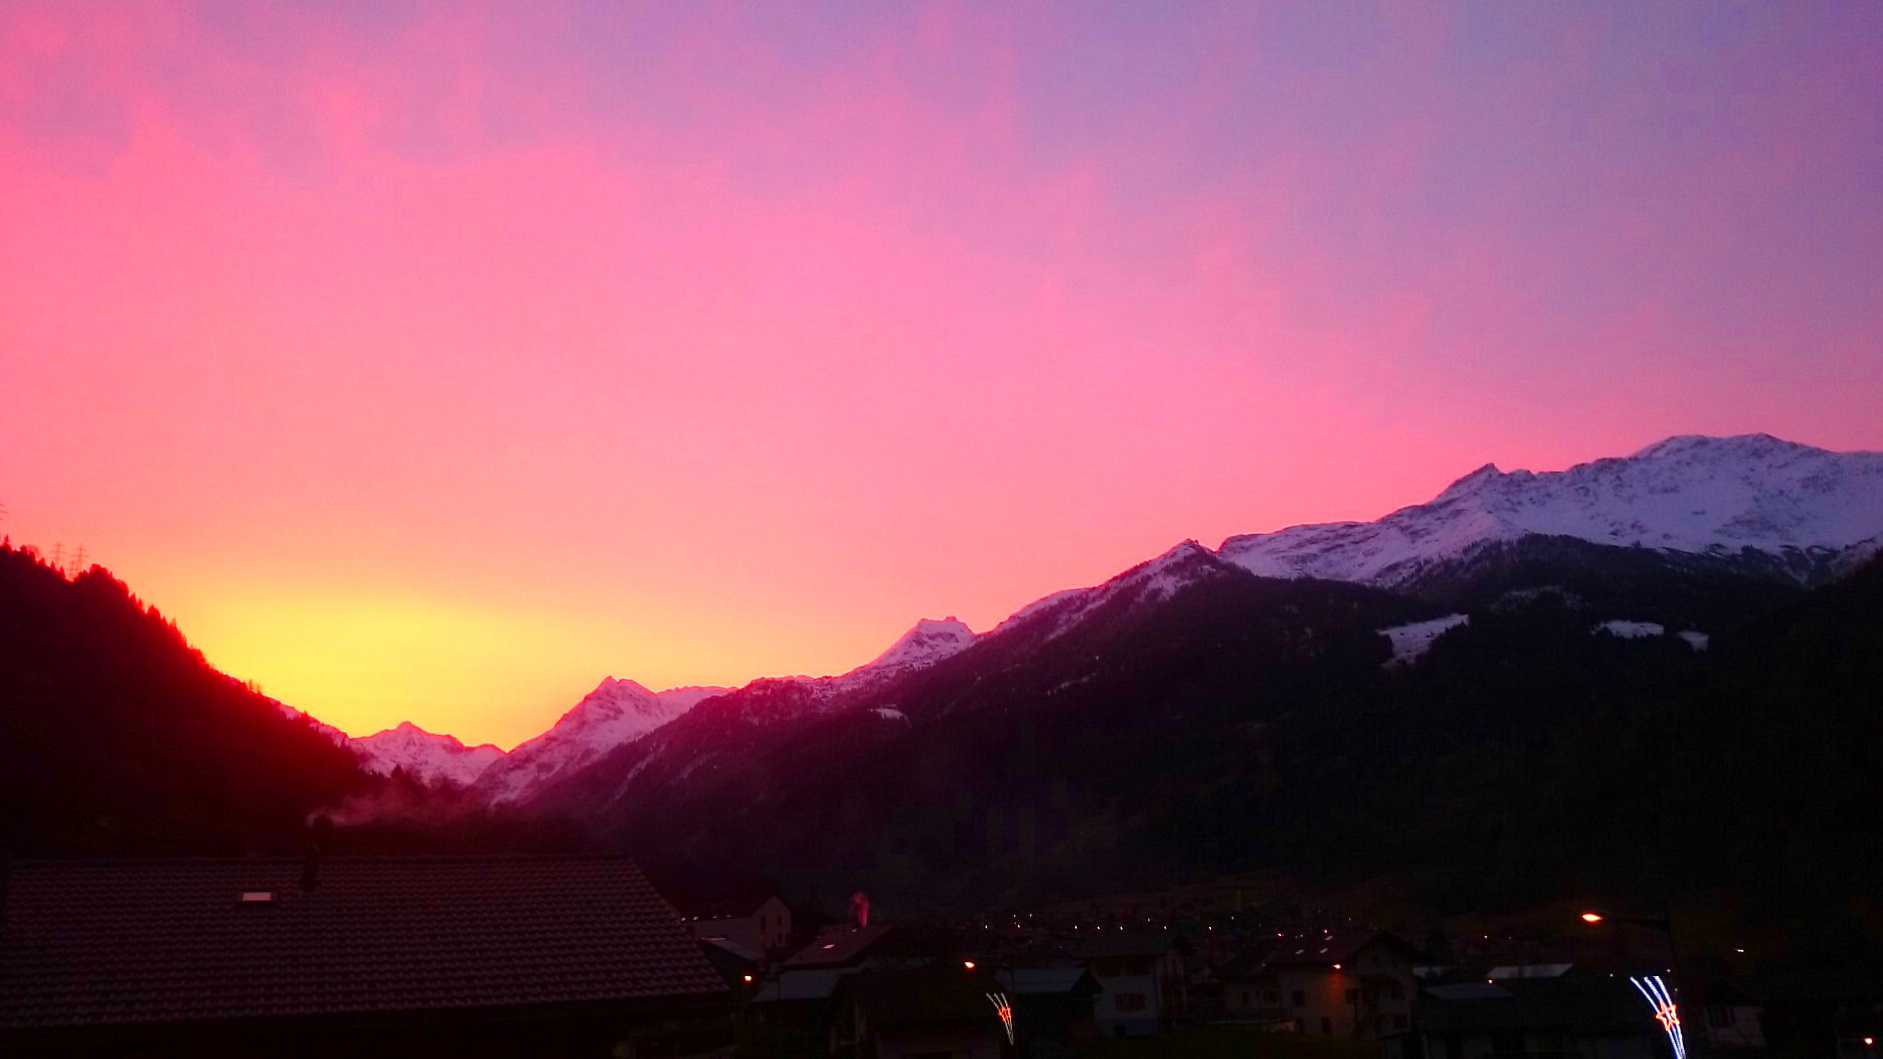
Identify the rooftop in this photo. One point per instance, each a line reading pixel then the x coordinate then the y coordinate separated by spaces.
pixel 119 942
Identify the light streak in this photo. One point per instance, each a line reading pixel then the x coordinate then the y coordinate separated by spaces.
pixel 1665 1011
pixel 1005 1011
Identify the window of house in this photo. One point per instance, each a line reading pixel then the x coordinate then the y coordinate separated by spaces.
pixel 1717 1016
pixel 1353 996
pixel 1129 1002
pixel 1397 992
pixel 1301 999
pixel 1399 1022
pixel 1245 998
pixel 1327 1027
pixel 1138 966
pixel 1271 996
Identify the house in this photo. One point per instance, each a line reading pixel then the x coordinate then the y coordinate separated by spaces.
pixel 760 923
pixel 1251 992
pixel 1052 1006
pixel 1346 981
pixel 741 968
pixel 927 1012
pixel 1140 973
pixel 346 956
pixel 799 993
pixel 1733 1018
pixel 1574 1018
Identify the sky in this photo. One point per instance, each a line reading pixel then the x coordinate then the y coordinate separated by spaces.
pixel 433 362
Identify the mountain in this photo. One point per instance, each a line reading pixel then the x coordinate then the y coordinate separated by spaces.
pixel 1328 698
pixel 116 736
pixel 616 712
pixel 427 756
pixel 1752 504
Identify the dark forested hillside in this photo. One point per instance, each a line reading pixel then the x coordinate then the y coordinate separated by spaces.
pixel 1246 723
pixel 116 736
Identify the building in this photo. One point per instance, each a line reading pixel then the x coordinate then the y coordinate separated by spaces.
pixel 1140 973
pixel 1344 982
pixel 759 923
pixel 798 994
pixel 1567 1018
pixel 926 1012
pixel 1052 1006
pixel 347 956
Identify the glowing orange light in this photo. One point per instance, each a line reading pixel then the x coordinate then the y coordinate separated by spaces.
pixel 1868 1041
pixel 1337 967
pixel 1591 917
pixel 969 964
pixel 748 978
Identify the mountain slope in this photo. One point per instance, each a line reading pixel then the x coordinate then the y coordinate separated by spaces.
pixel 616 712
pixel 1753 502
pixel 116 736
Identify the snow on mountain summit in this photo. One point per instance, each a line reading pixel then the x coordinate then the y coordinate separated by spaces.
pixel 615 713
pixel 929 641
pixel 428 756
pixel 1690 493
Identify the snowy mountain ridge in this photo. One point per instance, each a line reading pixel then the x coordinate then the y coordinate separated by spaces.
pixel 1688 494
pixel 429 756
pixel 616 712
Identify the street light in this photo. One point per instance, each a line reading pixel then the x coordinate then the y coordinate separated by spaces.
pixel 1591 917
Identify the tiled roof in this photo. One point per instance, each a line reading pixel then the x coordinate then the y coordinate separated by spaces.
pixel 91 942
pixel 838 946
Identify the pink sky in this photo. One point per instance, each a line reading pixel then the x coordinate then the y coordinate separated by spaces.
pixel 435 364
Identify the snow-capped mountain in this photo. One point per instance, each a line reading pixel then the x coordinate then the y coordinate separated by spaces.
pixel 431 757
pixel 1798 507
pixel 927 642
pixel 616 712
pixel 1149 582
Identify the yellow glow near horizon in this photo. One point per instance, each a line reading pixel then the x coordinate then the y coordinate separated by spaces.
pixel 355 661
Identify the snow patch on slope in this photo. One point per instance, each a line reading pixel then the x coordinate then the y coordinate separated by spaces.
pixel 1630 630
pixel 1413 640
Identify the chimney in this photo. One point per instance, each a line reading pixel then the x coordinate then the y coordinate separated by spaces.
pixel 318 832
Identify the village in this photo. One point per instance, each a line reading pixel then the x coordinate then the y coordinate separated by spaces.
pixel 500 955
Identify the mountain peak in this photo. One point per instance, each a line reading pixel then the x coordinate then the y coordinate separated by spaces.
pixel 928 640
pixel 1471 483
pixel 1745 446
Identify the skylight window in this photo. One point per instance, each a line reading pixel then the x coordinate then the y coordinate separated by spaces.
pixel 256 897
